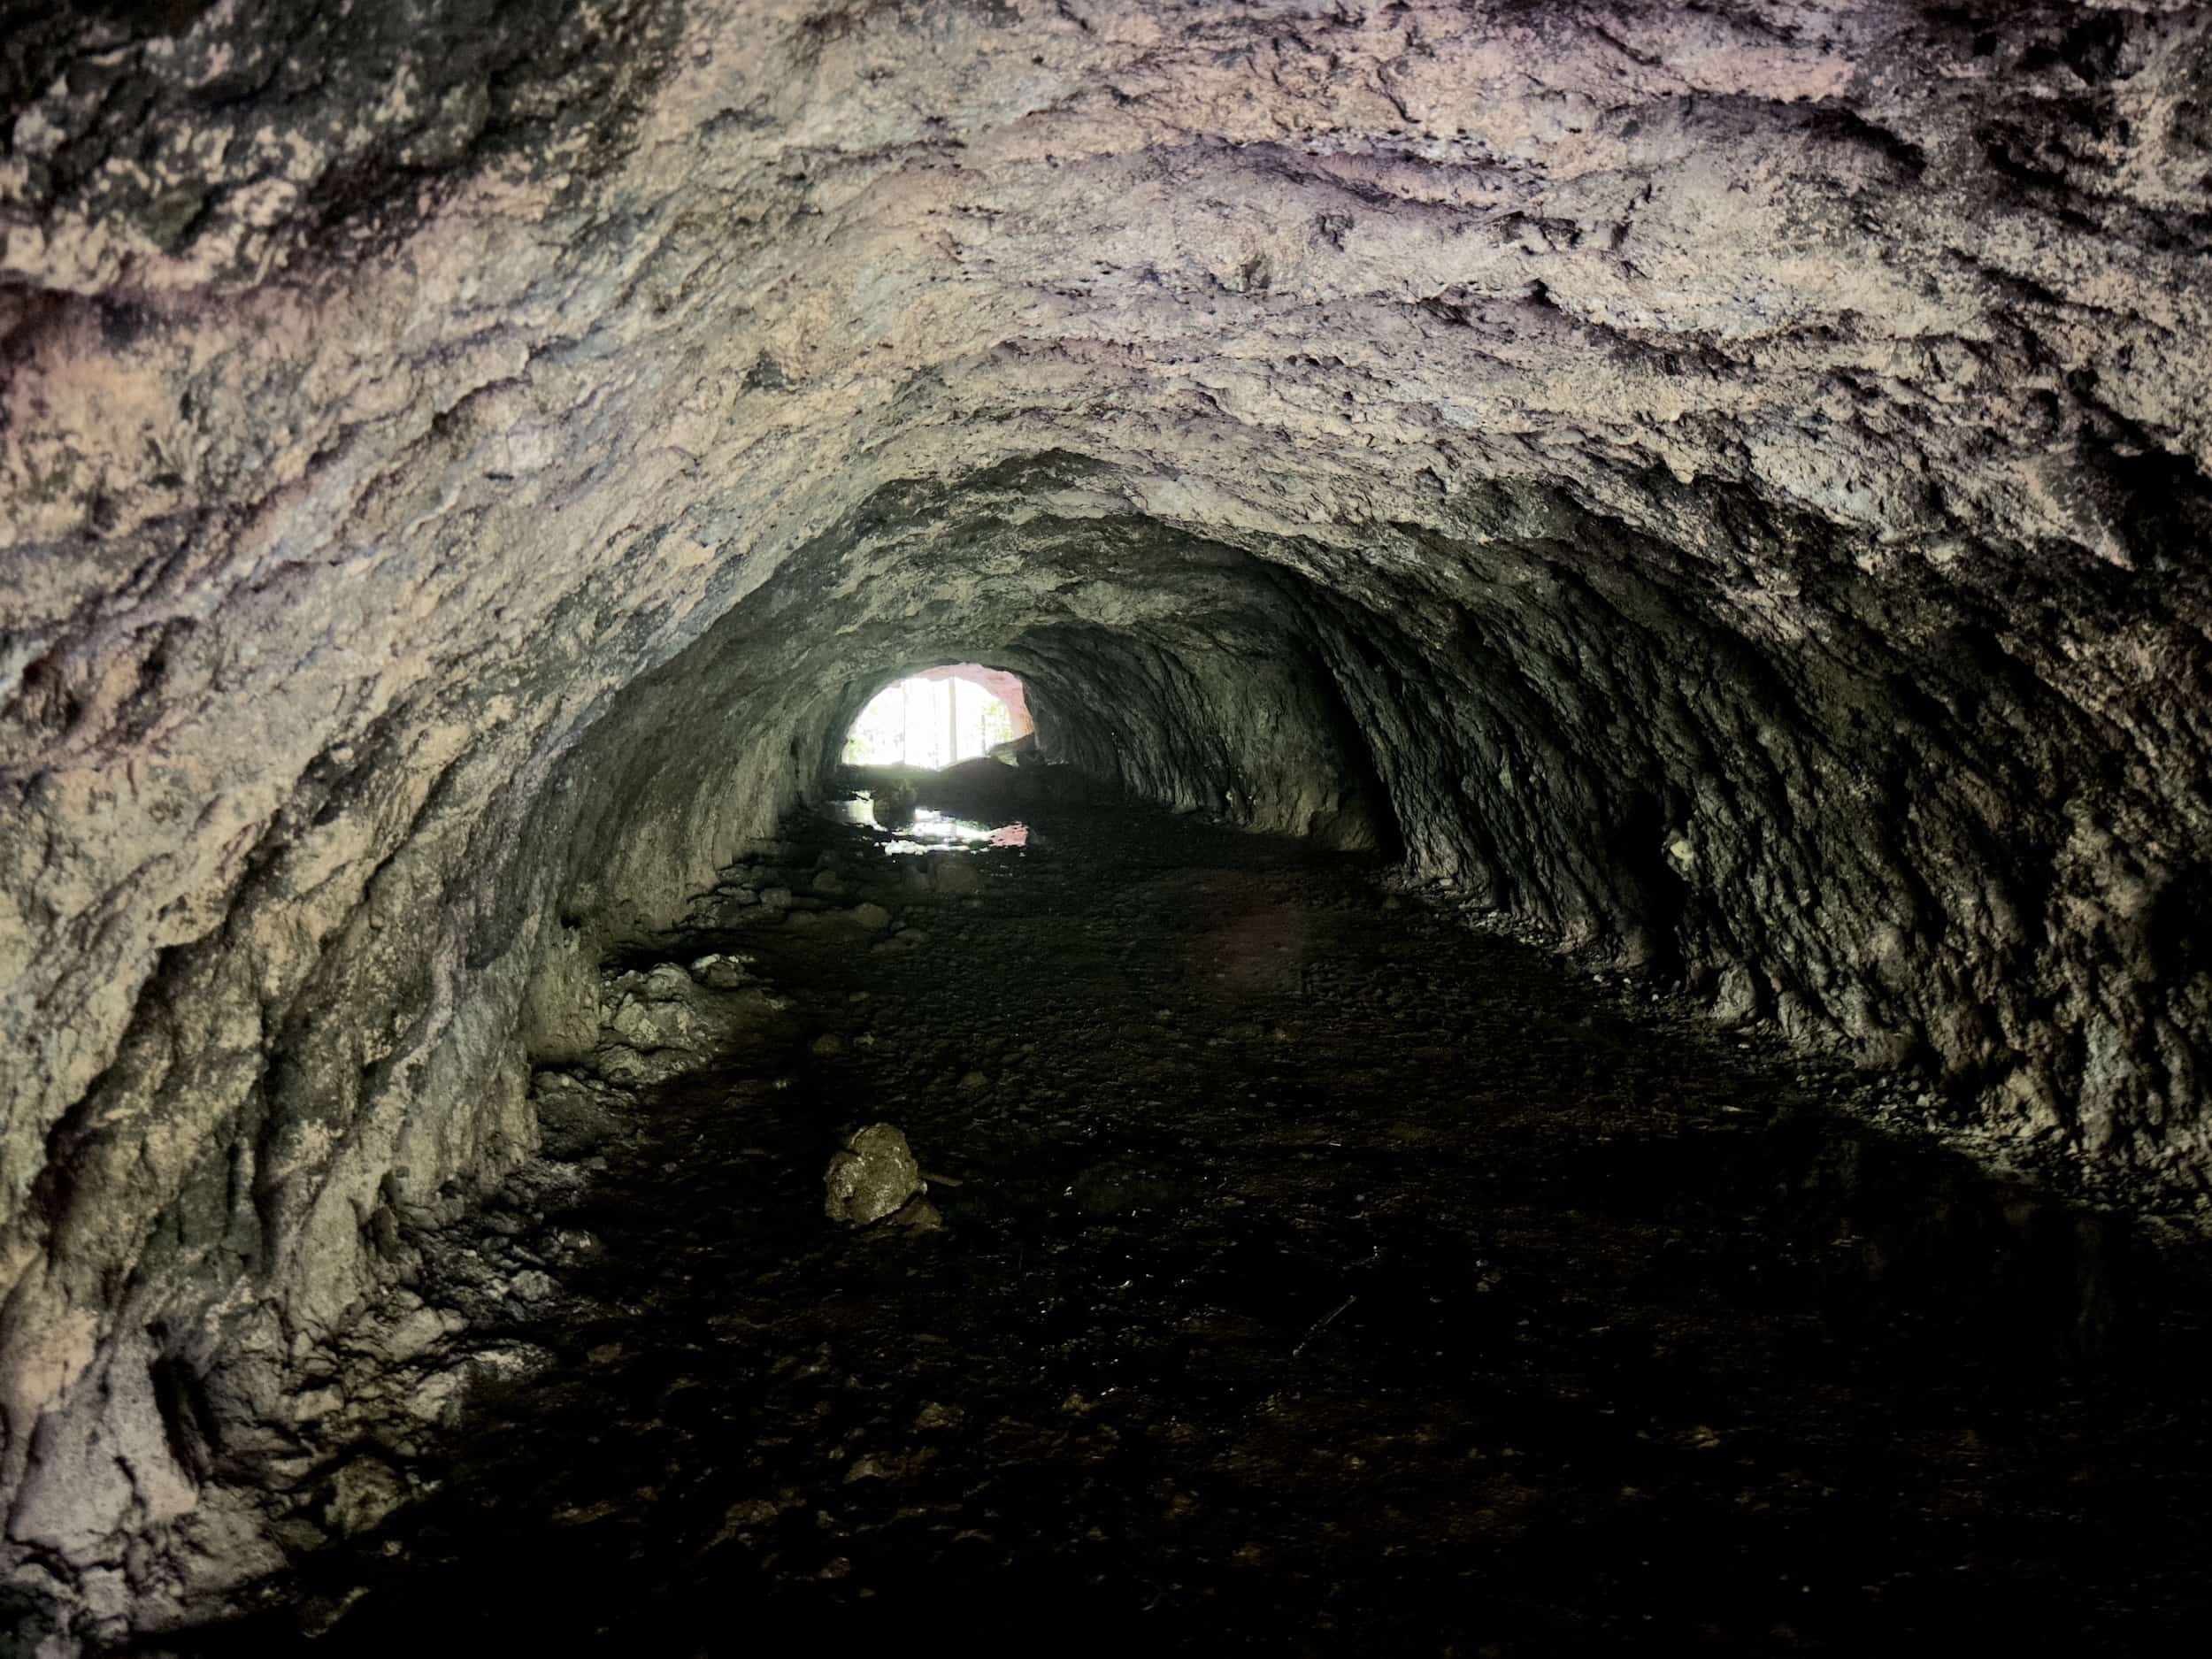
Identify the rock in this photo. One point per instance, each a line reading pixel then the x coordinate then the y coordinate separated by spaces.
pixel 666 983
pixel 871 1176
pixel 570 1245
pixel 873 918
pixel 775 899
pixel 955 875
pixel 439 1397
pixel 363 1493
pixel 829 881
pixel 827 1046
pixel 577 1114
pixel 919 1214
pixel 722 972
pixel 680 1027
pixel 892 804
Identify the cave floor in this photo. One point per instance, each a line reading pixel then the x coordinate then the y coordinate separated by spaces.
pixel 1317 1276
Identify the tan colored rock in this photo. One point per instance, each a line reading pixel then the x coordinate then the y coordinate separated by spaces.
pixel 871 1176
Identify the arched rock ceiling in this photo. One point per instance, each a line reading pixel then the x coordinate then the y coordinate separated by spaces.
pixel 1728 483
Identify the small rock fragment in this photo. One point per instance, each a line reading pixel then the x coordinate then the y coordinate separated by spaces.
pixel 871 1176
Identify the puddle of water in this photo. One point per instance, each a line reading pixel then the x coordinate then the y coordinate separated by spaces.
pixel 930 831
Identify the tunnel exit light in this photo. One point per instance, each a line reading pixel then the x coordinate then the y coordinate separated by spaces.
pixel 931 720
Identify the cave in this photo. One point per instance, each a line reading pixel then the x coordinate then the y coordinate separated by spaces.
pixel 1576 1020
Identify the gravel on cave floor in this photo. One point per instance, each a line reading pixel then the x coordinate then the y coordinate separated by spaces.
pixel 1317 1276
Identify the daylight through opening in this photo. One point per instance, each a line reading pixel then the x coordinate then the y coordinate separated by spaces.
pixel 939 718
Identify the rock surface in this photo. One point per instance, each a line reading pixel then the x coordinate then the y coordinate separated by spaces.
pixel 1507 1306
pixel 871 1176
pixel 1726 486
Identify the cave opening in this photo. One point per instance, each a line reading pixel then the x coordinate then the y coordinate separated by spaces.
pixel 939 718
pixel 1389 836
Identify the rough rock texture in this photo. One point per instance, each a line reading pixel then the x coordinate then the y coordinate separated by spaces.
pixel 1727 484
pixel 871 1176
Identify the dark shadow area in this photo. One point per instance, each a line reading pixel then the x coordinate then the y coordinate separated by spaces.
pixel 1317 1277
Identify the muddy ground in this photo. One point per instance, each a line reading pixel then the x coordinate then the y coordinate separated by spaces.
pixel 1317 1276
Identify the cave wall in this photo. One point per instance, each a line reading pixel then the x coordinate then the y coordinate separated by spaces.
pixel 1728 485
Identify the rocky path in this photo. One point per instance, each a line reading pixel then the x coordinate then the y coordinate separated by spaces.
pixel 1307 1275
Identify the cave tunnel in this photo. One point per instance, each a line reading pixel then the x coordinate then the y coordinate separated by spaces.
pixel 1579 1021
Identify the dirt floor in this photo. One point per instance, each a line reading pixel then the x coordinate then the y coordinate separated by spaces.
pixel 1317 1277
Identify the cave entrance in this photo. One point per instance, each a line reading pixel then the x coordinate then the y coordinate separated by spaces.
pixel 939 718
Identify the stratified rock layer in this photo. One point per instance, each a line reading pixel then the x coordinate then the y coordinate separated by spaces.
pixel 1728 485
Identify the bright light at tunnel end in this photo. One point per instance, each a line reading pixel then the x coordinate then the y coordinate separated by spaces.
pixel 939 718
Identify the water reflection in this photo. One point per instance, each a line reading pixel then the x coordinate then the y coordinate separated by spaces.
pixel 927 830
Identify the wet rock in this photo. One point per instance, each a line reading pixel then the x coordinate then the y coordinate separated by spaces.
pixel 871 1176
pixel 871 917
